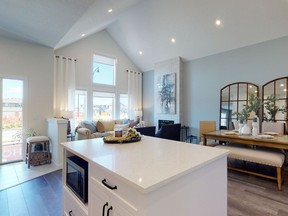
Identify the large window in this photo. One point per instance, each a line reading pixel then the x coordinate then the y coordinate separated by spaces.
pixel 123 106
pixel 103 105
pixel 80 112
pixel 104 70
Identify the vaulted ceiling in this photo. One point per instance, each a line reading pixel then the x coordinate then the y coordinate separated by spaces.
pixel 148 25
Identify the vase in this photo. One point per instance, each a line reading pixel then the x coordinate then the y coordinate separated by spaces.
pixel 246 129
pixel 255 126
pixel 240 128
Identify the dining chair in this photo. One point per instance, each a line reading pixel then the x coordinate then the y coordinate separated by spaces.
pixel 206 127
pixel 275 127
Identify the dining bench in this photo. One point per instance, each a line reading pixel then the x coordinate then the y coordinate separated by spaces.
pixel 270 158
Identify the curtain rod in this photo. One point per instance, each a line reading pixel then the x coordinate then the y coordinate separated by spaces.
pixel 134 72
pixel 66 58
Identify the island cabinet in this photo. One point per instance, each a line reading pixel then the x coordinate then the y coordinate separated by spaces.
pixel 107 203
pixel 153 177
pixel 71 204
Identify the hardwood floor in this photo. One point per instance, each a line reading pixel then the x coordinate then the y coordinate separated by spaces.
pixel 247 196
pixel 40 196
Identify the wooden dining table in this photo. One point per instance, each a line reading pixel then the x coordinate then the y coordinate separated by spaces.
pixel 277 141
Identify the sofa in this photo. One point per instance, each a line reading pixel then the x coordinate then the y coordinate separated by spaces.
pixel 101 128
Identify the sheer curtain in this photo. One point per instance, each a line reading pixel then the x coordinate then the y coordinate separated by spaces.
pixel 134 93
pixel 64 91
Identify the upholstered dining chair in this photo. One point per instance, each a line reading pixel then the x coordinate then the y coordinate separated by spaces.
pixel 206 127
pixel 276 127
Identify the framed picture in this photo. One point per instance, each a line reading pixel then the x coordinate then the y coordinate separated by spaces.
pixel 166 94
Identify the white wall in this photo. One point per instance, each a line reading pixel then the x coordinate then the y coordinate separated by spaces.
pixel 33 64
pixel 83 50
pixel 203 78
pixel 100 43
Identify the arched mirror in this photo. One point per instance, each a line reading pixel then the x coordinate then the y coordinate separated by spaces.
pixel 275 100
pixel 232 99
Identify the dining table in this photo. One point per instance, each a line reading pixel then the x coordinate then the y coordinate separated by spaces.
pixel 264 140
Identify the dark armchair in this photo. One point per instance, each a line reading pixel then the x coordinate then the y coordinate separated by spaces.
pixel 171 132
pixel 147 131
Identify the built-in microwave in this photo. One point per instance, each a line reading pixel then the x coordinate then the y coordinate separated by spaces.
pixel 77 177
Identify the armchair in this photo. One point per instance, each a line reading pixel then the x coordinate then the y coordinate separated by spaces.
pixel 171 132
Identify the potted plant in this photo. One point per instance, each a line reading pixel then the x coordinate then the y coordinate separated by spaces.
pixel 272 109
pixel 243 116
pixel 254 103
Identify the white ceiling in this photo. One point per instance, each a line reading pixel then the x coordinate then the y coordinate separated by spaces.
pixel 148 25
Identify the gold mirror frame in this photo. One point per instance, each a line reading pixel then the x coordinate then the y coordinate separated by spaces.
pixel 232 99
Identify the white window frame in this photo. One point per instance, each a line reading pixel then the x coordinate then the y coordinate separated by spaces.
pixel 103 59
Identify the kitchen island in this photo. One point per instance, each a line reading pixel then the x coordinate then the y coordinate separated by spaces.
pixel 152 177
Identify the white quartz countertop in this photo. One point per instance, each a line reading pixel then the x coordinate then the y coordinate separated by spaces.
pixel 147 164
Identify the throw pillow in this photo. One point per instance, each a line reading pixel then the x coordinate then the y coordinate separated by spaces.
pixel 132 123
pixel 90 125
pixel 103 126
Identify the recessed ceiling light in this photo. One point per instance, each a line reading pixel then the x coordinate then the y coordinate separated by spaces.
pixel 140 52
pixel 218 22
pixel 281 84
pixel 82 35
pixel 110 10
pixel 173 40
pixel 284 90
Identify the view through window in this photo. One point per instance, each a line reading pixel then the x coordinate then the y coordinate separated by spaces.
pixel 80 112
pixel 12 120
pixel 123 106
pixel 103 70
pixel 103 105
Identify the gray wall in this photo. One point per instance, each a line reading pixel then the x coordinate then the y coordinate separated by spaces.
pixel 203 78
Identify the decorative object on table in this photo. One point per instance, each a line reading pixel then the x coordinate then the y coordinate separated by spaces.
pixel 255 126
pixel 243 117
pixel 131 136
pixel 254 105
pixel 166 88
pixel 272 109
pixel 118 133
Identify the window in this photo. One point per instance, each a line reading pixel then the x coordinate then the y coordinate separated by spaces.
pixel 80 112
pixel 123 106
pixel 103 105
pixel 104 70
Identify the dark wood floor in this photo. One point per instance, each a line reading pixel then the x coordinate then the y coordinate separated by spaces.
pixel 41 196
pixel 247 196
